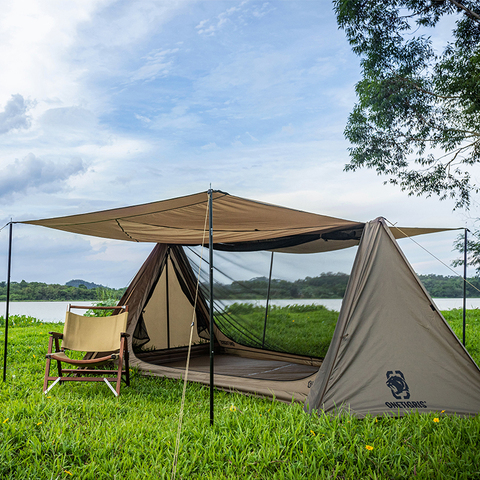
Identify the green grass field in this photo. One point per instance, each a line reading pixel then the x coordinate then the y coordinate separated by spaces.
pixel 83 431
pixel 288 328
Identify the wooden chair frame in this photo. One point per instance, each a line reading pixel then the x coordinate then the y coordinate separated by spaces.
pixel 85 370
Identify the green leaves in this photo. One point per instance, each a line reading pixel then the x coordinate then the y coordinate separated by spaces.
pixel 418 112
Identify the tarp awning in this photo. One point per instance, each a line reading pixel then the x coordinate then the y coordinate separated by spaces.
pixel 238 224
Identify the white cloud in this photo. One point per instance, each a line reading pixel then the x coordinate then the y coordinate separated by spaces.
pixel 177 121
pixel 261 11
pixel 233 16
pixel 142 118
pixel 37 37
pixel 155 66
pixel 15 114
pixel 34 173
pixel 251 137
pixel 209 146
pixel 73 117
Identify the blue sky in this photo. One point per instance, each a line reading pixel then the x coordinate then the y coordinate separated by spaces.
pixel 109 103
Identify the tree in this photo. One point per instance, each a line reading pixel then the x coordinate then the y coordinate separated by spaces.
pixel 417 120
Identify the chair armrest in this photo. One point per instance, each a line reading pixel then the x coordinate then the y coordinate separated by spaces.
pixel 56 334
pixel 124 334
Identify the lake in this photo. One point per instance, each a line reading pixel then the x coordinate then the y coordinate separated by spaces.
pixel 55 311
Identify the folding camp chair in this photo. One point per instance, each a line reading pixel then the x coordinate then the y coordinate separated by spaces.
pixel 103 335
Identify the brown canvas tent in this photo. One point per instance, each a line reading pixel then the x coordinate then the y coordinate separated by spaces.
pixel 161 304
pixel 392 350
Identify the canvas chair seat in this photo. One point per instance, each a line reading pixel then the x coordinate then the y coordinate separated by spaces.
pixel 90 334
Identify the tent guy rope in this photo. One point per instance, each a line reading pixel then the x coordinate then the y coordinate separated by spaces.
pixel 464 277
pixel 435 257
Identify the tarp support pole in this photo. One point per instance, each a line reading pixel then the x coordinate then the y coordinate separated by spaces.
pixel 268 300
pixel 464 285
pixel 168 298
pixel 212 339
pixel 7 305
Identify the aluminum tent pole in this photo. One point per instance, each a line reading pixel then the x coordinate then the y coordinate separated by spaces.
pixel 7 306
pixel 268 300
pixel 464 285
pixel 212 338
pixel 167 294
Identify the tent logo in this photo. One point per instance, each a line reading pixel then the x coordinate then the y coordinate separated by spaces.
pixel 397 384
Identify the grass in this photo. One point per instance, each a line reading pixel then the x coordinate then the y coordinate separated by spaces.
pixel 455 320
pixel 84 432
pixel 288 328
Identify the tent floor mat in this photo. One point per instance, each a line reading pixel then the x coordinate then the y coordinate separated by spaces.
pixel 255 368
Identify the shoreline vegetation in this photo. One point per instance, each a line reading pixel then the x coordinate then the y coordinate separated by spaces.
pixel 325 286
pixel 37 292
pixel 82 431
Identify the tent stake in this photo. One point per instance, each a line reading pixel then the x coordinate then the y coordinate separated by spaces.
pixel 7 306
pixel 268 299
pixel 212 339
pixel 464 285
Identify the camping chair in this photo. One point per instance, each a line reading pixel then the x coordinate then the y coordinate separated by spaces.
pixel 103 335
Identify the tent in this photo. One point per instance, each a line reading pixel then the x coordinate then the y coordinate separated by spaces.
pixel 385 315
pixel 392 350
pixel 161 301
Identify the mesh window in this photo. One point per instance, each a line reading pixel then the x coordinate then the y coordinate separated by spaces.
pixel 293 310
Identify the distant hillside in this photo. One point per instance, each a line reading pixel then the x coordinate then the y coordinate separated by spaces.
pixel 333 285
pixel 89 285
pixel 37 291
pixel 326 285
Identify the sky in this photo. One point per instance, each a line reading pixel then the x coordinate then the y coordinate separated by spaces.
pixel 108 103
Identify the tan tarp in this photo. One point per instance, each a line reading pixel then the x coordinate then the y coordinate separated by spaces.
pixel 182 221
pixel 392 350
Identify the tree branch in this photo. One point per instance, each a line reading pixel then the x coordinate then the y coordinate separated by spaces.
pixel 428 92
pixel 470 13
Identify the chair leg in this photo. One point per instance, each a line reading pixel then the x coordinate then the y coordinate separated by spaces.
pixel 111 388
pixel 59 364
pixel 127 367
pixel 52 385
pixel 47 373
pixel 47 365
pixel 120 365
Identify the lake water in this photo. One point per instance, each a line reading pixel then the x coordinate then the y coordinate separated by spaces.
pixel 55 311
pixel 46 311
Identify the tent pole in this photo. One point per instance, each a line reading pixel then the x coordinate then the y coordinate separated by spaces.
pixel 168 298
pixel 212 339
pixel 268 299
pixel 7 306
pixel 464 285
